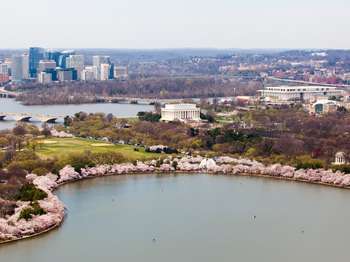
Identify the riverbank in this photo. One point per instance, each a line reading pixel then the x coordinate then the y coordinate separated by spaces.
pixel 13 229
pixel 60 111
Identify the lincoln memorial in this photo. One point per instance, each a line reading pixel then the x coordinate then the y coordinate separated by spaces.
pixel 182 112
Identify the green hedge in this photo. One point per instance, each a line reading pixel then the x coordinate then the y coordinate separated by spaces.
pixel 34 210
pixel 29 192
pixel 342 168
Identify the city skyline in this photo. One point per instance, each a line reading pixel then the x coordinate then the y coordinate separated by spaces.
pixel 181 24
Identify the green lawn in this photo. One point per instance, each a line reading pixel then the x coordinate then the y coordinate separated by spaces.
pixel 61 147
pixel 224 119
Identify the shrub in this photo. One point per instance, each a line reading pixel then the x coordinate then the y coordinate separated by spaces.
pixel 208 116
pixel 159 162
pixel 26 214
pixel 310 165
pixel 79 161
pixel 19 130
pixel 342 168
pixel 35 209
pixel 29 192
pixel 306 162
pixel 174 164
pixel 149 116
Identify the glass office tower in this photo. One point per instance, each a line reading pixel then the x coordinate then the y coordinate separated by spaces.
pixel 53 55
pixel 35 55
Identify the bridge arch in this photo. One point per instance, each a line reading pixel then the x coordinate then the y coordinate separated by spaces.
pixel 23 118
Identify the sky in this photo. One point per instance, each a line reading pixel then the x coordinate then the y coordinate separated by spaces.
pixel 148 24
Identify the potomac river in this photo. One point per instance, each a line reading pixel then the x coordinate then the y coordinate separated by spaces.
pixel 193 218
pixel 119 110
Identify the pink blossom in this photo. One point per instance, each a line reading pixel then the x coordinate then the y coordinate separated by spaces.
pixel 166 168
pixel 61 134
pixel 67 174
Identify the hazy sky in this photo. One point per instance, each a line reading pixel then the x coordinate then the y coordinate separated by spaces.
pixel 175 23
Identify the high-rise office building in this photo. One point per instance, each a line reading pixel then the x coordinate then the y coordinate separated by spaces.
pixel 35 55
pixel 77 62
pixel 17 68
pixel 62 61
pixel 105 72
pixel 111 71
pixel 89 73
pixel 97 61
pixel 8 62
pixel 25 66
pixel 53 55
pixel 4 69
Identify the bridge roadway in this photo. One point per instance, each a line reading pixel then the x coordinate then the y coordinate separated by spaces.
pixel 23 117
pixel 7 94
pixel 140 101
pixel 306 82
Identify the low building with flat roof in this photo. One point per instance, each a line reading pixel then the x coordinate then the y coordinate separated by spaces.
pixel 44 78
pixel 181 112
pixel 298 93
pixel 324 106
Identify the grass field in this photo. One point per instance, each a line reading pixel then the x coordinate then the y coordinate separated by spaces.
pixel 61 147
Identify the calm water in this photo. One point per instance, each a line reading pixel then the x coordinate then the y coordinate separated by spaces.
pixel 120 110
pixel 194 218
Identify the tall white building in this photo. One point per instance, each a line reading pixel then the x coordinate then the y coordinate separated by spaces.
pixel 17 68
pixel 77 62
pixel 8 62
pixel 4 69
pixel 105 71
pixel 25 66
pixel 97 61
pixel 96 71
pixel 298 93
pixel 182 112
pixel 89 73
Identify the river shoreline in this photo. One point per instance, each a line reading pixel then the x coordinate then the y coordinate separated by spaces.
pixel 209 167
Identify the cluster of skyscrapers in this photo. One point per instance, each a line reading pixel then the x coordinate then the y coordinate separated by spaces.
pixel 47 66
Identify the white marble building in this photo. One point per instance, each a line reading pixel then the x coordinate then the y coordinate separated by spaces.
pixel 182 112
pixel 300 93
pixel 340 159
